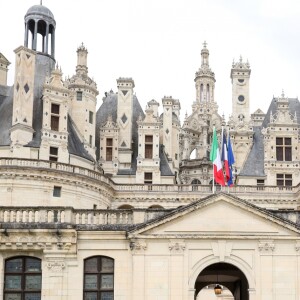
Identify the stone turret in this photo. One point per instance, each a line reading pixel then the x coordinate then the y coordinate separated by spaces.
pixel 4 63
pixel 84 101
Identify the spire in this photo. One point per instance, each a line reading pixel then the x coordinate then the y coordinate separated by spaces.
pixel 41 3
pixel 82 53
pixel 205 56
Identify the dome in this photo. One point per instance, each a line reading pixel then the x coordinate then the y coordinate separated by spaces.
pixel 40 10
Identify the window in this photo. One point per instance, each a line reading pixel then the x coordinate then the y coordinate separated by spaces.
pixel 23 278
pixel 53 154
pixel 109 149
pixel 91 116
pixel 79 96
pixel 91 140
pixel 98 278
pixel 57 191
pixel 260 184
pixel 283 149
pixel 149 146
pixel 284 179
pixel 148 178
pixel 54 117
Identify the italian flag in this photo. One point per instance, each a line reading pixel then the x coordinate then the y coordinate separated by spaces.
pixel 216 160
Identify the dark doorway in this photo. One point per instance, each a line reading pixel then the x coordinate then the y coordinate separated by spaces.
pixel 225 275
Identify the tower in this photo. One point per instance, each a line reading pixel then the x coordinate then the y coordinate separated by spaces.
pixel 4 63
pixel 33 65
pixel 205 79
pixel 84 101
pixel 240 76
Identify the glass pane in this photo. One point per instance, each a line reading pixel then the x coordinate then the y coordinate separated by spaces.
pixel 33 264
pixel 107 296
pixel 90 265
pixel 13 265
pixel 90 282
pixel 107 281
pixel 288 175
pixel 107 265
pixel 12 297
pixel 288 141
pixel 279 153
pixel 33 282
pixel 90 296
pixel 12 282
pixel 32 296
pixel 288 154
pixel 279 141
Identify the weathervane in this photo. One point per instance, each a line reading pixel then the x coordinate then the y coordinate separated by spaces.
pixel 204 44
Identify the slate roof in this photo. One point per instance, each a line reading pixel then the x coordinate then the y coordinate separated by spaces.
pixel 6 107
pixel 254 165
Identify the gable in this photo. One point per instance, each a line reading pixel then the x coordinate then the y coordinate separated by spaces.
pixel 222 217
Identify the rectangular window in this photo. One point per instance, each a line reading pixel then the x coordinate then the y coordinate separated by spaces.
pixel 109 149
pixel 284 179
pixel 79 96
pixel 55 117
pixel 283 149
pixel 91 116
pixel 148 178
pixel 149 146
pixel 53 154
pixel 91 140
pixel 260 184
pixel 57 191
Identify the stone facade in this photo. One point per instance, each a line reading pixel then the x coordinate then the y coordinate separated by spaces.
pixel 109 204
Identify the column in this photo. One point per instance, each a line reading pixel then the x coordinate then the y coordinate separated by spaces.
pixel 34 40
pixel 46 39
pixel 26 36
pixel 53 42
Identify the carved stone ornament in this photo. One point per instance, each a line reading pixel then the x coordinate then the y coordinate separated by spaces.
pixel 56 266
pixel 138 246
pixel 176 247
pixel 266 246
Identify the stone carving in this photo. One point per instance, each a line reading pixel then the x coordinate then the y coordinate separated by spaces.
pixel 138 246
pixel 266 246
pixel 56 266
pixel 176 247
pixel 297 246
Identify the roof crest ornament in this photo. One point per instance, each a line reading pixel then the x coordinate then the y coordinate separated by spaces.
pixel 41 3
pixel 204 44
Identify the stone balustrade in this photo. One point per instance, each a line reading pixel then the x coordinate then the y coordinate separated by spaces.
pixel 65 215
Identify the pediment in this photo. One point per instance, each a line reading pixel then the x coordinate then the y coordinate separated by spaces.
pixel 219 215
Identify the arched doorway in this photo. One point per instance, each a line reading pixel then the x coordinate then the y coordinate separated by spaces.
pixel 226 275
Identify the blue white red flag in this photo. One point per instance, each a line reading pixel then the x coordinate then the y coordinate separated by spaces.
pixel 230 161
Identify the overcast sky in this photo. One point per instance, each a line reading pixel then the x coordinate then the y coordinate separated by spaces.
pixel 158 44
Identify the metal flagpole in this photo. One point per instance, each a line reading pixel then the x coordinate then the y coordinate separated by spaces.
pixel 213 162
pixel 222 162
pixel 228 161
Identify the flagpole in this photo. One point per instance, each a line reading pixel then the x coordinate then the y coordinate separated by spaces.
pixel 213 165
pixel 222 150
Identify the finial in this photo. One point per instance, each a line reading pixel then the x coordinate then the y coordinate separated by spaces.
pixel 241 59
pixel 204 44
pixel 41 3
pixel 282 94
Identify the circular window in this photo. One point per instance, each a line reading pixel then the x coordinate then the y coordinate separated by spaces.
pixel 241 80
pixel 241 98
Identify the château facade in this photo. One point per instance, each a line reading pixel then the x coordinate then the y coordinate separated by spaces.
pixel 107 203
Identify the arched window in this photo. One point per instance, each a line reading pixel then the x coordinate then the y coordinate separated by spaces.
pixel 196 181
pixel 22 278
pixel 125 206
pixel 98 278
pixel 155 206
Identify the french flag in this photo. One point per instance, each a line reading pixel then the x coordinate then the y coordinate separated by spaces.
pixel 224 157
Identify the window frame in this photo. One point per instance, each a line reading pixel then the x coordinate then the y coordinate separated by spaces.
pixel 109 149
pixel 99 273
pixel 283 148
pixel 91 117
pixel 53 156
pixel 79 95
pixel 284 180
pixel 148 146
pixel 148 178
pixel 23 274
pixel 55 111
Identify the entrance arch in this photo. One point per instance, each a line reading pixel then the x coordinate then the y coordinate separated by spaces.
pixel 224 274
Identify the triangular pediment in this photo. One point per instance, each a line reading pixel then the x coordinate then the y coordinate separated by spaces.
pixel 219 215
pixel 4 60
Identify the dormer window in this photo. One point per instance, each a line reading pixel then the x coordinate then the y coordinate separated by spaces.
pixel 283 149
pixel 54 117
pixel 149 146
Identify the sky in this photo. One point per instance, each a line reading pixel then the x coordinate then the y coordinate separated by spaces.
pixel 158 43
